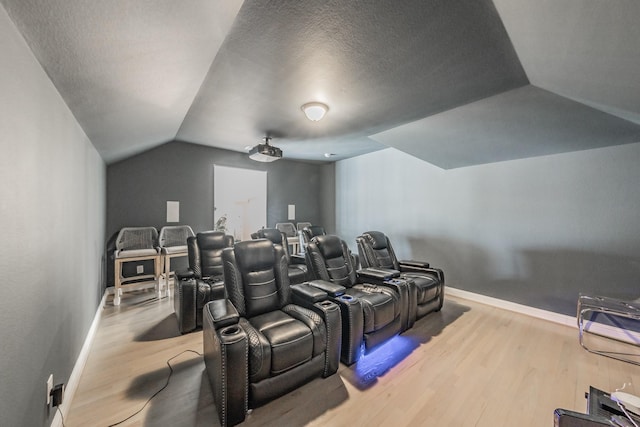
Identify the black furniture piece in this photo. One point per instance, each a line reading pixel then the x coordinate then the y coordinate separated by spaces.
pixel 601 411
pixel 312 231
pixel 371 313
pixel 202 282
pixel 375 251
pixel 268 337
pixel 297 267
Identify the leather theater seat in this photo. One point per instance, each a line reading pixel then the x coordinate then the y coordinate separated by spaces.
pixel 312 231
pixel 202 282
pixel 375 251
pixel 268 337
pixel 371 313
pixel 297 270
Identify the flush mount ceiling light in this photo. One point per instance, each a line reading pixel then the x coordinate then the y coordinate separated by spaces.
pixel 315 111
pixel 265 152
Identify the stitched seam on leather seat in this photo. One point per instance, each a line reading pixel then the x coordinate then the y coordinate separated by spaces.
pixel 261 283
pixel 251 330
pixel 246 378
pixel 350 352
pixel 264 296
pixel 326 348
pixel 291 342
pixel 224 383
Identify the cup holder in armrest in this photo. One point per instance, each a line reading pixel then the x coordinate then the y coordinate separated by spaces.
pixel 347 298
pixel 326 303
pixel 230 330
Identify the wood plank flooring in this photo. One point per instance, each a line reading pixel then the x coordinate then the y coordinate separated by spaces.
pixel 468 365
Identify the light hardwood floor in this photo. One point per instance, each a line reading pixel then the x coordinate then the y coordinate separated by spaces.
pixel 468 365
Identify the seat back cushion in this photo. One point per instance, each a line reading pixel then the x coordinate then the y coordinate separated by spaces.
pixel 272 234
pixel 277 237
pixel 257 262
pixel 211 244
pixel 377 250
pixel 314 230
pixel 331 259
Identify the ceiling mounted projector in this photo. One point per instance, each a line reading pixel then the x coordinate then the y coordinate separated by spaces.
pixel 265 152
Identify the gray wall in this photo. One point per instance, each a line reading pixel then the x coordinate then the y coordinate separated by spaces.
pixel 52 222
pixel 535 231
pixel 328 201
pixel 139 187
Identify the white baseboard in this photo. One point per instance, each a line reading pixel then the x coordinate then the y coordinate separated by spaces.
pixel 538 313
pixel 608 331
pixel 76 373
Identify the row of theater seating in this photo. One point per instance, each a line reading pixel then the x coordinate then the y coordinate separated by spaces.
pixel 264 336
pixel 203 281
pixel 133 246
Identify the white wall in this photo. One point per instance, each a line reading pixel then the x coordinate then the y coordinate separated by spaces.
pixel 52 221
pixel 535 231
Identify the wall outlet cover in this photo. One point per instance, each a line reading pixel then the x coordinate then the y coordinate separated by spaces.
pixel 49 388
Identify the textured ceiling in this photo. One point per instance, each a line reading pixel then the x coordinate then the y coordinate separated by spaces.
pixel 455 83
pixel 524 122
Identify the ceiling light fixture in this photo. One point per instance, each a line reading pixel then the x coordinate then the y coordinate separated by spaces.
pixel 265 152
pixel 315 111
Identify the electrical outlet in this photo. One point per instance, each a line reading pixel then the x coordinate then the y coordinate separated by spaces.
pixel 49 388
pixel 139 269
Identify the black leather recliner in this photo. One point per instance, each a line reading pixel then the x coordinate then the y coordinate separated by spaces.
pixel 297 270
pixel 375 250
pixel 202 282
pixel 268 337
pixel 371 313
pixel 312 231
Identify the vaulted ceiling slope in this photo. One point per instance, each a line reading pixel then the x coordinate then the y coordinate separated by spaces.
pixel 453 82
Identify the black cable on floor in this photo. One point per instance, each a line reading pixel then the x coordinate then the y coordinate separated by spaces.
pixel 157 392
pixel 61 416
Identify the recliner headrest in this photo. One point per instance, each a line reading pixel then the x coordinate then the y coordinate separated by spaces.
pixel 272 234
pixel 377 239
pixel 330 246
pixel 212 240
pixel 255 255
pixel 315 230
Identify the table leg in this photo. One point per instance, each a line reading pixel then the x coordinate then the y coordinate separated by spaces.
pixel 117 274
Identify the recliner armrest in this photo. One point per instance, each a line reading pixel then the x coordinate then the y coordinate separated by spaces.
pixel 377 275
pixel 407 268
pixel 304 292
pixel 330 288
pixel 185 274
pixel 216 284
pixel 298 259
pixel 223 313
pixel 412 263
